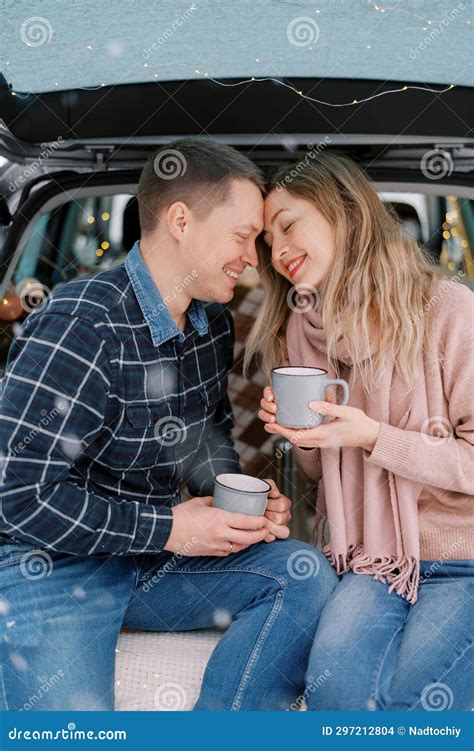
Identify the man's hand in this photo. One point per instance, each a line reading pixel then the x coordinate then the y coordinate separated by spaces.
pixel 278 512
pixel 199 529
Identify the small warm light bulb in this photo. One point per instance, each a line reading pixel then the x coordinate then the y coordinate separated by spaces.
pixel 90 219
pixel 105 245
pixel 105 216
pixel 446 235
pixel 99 252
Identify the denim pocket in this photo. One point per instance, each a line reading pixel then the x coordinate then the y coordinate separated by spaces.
pixel 21 623
pixel 12 553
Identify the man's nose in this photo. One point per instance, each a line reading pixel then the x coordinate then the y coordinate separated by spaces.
pixel 250 256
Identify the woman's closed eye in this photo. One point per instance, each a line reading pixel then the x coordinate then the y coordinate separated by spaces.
pixel 288 226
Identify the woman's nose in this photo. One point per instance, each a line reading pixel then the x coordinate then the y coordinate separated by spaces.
pixel 279 251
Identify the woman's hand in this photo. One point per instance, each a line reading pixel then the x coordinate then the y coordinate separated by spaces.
pixel 270 408
pixel 349 426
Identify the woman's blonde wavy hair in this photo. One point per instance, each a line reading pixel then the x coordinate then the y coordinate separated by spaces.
pixel 379 282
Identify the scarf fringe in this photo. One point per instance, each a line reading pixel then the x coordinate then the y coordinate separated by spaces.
pixel 402 573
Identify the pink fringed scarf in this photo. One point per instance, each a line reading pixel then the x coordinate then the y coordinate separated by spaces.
pixel 372 513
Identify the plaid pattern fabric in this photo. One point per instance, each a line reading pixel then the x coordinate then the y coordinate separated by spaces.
pixel 109 411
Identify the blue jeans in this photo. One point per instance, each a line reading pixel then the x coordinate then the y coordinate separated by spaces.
pixel 61 615
pixel 374 651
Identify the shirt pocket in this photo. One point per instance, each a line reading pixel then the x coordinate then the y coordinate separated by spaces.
pixel 139 440
pixel 211 394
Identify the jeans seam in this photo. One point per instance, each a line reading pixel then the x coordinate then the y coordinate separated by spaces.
pixel 435 680
pixel 377 671
pixel 260 572
pixel 239 694
pixel 4 691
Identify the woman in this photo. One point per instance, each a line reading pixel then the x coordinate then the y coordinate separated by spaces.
pixel 348 292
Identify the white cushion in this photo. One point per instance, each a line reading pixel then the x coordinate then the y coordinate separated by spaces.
pixel 161 671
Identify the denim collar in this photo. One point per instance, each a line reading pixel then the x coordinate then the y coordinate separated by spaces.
pixel 155 312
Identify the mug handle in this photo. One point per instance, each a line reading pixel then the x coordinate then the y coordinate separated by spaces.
pixel 345 387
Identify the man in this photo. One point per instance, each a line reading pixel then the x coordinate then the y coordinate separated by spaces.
pixel 129 371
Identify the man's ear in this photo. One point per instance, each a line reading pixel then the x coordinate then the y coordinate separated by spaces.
pixel 177 218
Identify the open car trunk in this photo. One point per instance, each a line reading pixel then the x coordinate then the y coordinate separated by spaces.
pixel 64 145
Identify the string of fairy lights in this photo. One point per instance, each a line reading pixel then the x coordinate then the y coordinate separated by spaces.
pixel 287 85
pixel 424 23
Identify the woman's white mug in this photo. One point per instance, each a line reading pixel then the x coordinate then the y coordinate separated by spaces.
pixel 294 387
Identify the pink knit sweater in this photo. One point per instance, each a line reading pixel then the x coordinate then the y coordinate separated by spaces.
pixel 444 465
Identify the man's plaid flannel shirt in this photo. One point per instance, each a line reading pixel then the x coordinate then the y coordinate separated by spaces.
pixel 108 411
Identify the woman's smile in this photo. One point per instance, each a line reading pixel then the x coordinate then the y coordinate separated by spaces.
pixel 295 265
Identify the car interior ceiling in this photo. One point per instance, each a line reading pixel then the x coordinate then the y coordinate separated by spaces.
pixel 75 238
pixel 54 253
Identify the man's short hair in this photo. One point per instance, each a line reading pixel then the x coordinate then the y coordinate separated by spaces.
pixel 196 171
